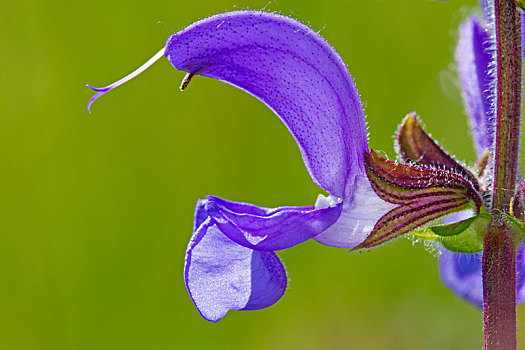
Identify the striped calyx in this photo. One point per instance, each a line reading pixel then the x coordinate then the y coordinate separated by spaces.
pixel 429 185
pixel 415 145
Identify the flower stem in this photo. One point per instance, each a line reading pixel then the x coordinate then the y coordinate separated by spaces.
pixel 499 254
pixel 499 290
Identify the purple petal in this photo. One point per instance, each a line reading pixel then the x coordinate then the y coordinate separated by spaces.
pixel 462 274
pixel 200 214
pixel 474 59
pixel 520 273
pixel 294 71
pixel 358 218
pixel 487 8
pixel 269 229
pixel 221 275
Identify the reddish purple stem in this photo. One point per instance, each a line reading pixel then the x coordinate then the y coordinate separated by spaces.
pixel 499 254
pixel 499 290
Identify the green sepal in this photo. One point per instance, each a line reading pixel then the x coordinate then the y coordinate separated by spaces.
pixel 520 3
pixel 517 225
pixel 464 236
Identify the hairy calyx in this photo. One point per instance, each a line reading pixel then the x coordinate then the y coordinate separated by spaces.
pixel 427 185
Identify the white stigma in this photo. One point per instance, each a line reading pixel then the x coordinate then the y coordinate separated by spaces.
pixel 102 91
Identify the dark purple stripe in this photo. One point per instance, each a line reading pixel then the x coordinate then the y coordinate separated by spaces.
pixel 434 210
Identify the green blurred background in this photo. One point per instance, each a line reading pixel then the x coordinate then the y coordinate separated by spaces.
pixel 96 210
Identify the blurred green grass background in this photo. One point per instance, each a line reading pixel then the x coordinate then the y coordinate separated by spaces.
pixel 96 210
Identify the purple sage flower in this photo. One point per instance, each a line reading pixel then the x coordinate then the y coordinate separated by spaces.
pixel 231 262
pixel 475 61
